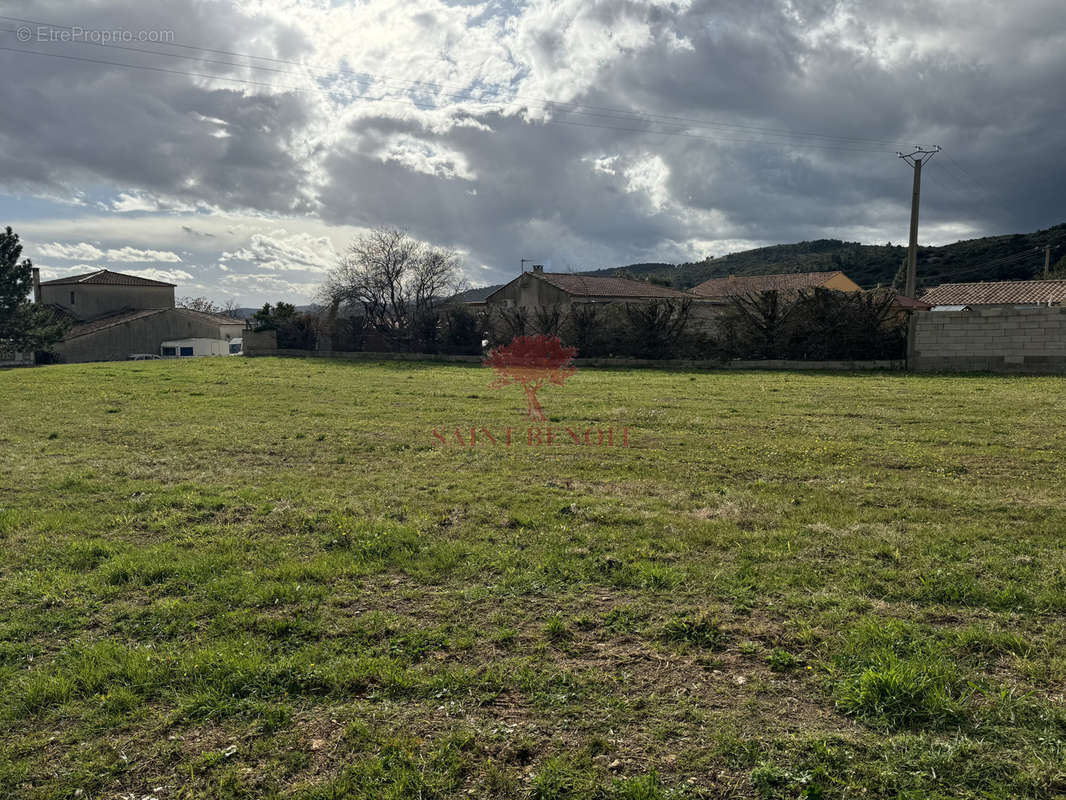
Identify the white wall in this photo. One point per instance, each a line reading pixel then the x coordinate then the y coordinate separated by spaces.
pixel 201 347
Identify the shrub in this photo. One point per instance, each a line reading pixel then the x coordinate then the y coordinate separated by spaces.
pixel 814 324
pixel 892 676
pixel 699 630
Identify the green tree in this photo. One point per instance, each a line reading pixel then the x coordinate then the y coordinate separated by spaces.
pixel 271 318
pixel 899 282
pixel 1058 269
pixel 24 325
pixel 295 331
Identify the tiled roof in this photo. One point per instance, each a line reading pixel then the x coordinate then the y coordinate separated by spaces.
pixel 582 286
pixel 745 284
pixel 902 301
pixel 477 295
pixel 121 318
pixel 978 294
pixel 105 277
pixel 61 312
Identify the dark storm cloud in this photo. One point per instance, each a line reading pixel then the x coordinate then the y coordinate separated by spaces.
pixel 142 129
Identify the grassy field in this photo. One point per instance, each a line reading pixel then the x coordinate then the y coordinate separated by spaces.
pixel 234 578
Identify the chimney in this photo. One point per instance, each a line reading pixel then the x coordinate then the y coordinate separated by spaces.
pixel 538 268
pixel 36 285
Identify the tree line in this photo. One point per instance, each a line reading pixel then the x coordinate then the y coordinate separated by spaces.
pixel 390 292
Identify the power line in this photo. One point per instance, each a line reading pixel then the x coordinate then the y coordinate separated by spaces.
pixel 965 174
pixel 1017 258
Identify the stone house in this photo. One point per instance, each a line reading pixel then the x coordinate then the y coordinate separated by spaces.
pixel 115 316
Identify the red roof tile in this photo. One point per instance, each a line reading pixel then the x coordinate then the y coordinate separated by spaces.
pixel 997 292
pixel 105 277
pixel 902 301
pixel 746 284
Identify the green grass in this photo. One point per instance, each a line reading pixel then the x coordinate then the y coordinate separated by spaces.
pixel 234 578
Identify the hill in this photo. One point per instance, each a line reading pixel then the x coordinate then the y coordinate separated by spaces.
pixel 1015 256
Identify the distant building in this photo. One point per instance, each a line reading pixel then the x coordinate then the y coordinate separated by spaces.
pixel 734 285
pixel 996 294
pixel 116 316
pixel 539 289
pixel 96 294
pixel 910 304
pixel 195 347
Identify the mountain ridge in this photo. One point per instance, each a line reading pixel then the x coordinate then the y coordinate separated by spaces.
pixel 1012 256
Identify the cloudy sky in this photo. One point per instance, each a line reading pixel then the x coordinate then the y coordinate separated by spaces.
pixel 236 147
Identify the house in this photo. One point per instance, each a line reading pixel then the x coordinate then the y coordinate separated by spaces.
pixel 996 294
pixel 733 286
pixel 539 289
pixel 910 304
pixel 195 347
pixel 115 315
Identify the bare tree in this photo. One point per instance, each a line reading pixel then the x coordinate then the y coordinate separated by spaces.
pixel 657 325
pixel 509 323
pixel 231 308
pixel 585 328
pixel 398 281
pixel 204 304
pixel 548 320
pixel 757 323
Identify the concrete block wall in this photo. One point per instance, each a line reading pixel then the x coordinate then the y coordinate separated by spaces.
pixel 260 343
pixel 997 339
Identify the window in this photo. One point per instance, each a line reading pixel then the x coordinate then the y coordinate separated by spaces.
pixel 185 351
pixel 72 298
pixel 170 351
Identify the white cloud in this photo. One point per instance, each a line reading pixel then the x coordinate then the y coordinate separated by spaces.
pixel 71 252
pixel 649 175
pixel 281 251
pixel 427 158
pixel 604 165
pixel 132 254
pixel 269 286
pixel 178 276
pixel 83 251
pixel 147 202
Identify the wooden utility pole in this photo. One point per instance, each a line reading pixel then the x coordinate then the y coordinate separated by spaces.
pixel 915 159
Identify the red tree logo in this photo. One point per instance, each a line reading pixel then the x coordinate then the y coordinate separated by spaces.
pixel 532 362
